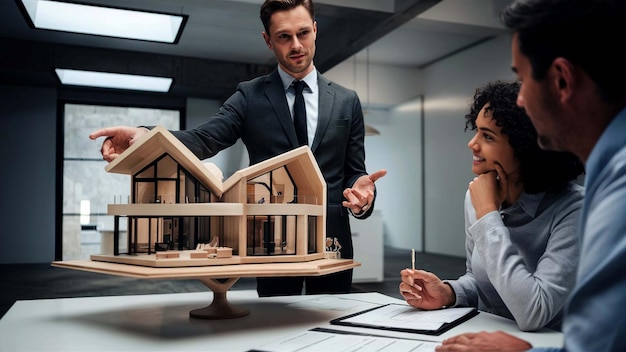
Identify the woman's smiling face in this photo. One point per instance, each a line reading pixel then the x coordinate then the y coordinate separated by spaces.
pixel 490 146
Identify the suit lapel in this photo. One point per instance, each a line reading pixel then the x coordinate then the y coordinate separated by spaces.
pixel 324 109
pixel 275 94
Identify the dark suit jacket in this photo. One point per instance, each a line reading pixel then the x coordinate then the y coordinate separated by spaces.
pixel 258 113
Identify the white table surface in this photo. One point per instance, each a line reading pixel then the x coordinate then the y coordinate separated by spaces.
pixel 161 322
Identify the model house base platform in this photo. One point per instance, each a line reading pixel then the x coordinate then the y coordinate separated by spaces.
pixel 219 278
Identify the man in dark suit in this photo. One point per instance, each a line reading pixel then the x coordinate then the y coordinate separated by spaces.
pixel 260 113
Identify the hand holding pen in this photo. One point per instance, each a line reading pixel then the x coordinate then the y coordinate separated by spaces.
pixel 424 290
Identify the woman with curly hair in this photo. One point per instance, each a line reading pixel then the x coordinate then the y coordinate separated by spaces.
pixel 521 219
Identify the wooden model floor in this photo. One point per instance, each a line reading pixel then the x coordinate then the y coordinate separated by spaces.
pixel 184 259
pixel 310 268
pixel 151 260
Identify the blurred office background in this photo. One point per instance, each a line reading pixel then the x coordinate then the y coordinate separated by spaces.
pixel 414 63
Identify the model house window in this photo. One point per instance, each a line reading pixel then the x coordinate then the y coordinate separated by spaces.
pixel 87 187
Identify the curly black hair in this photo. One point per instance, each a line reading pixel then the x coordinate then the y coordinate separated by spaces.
pixel 541 170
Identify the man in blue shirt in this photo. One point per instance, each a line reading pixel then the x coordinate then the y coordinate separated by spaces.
pixel 567 55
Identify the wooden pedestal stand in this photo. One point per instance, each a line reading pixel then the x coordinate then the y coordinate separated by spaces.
pixel 220 308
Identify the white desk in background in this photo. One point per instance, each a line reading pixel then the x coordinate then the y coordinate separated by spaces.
pixel 161 322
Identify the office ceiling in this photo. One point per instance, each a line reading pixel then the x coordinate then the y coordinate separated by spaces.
pixel 221 43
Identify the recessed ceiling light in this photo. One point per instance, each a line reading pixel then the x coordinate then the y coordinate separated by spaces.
pixel 113 80
pixel 103 21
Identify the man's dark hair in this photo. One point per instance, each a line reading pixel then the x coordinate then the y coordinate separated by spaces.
pixel 588 33
pixel 541 170
pixel 269 7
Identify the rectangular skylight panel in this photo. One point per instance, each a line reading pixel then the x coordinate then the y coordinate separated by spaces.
pixel 104 21
pixel 113 80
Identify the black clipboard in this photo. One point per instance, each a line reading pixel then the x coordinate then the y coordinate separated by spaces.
pixel 348 321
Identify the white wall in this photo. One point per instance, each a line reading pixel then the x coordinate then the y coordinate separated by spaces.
pixel 399 150
pixel 378 86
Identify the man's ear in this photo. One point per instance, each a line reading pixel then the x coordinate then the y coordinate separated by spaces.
pixel 563 77
pixel 266 38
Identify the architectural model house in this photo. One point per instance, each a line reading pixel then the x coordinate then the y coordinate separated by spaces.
pixel 180 213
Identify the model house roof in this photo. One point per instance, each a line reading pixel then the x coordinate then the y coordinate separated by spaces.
pixel 300 163
pixel 153 145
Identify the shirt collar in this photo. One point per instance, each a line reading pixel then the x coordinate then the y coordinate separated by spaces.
pixel 529 203
pixel 612 139
pixel 310 79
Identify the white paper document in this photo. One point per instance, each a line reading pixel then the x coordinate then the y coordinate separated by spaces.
pixel 407 317
pixel 321 341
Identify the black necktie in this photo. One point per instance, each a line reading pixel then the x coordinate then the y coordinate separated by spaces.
pixel 299 113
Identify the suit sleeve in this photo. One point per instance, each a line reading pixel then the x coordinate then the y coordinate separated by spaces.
pixel 220 131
